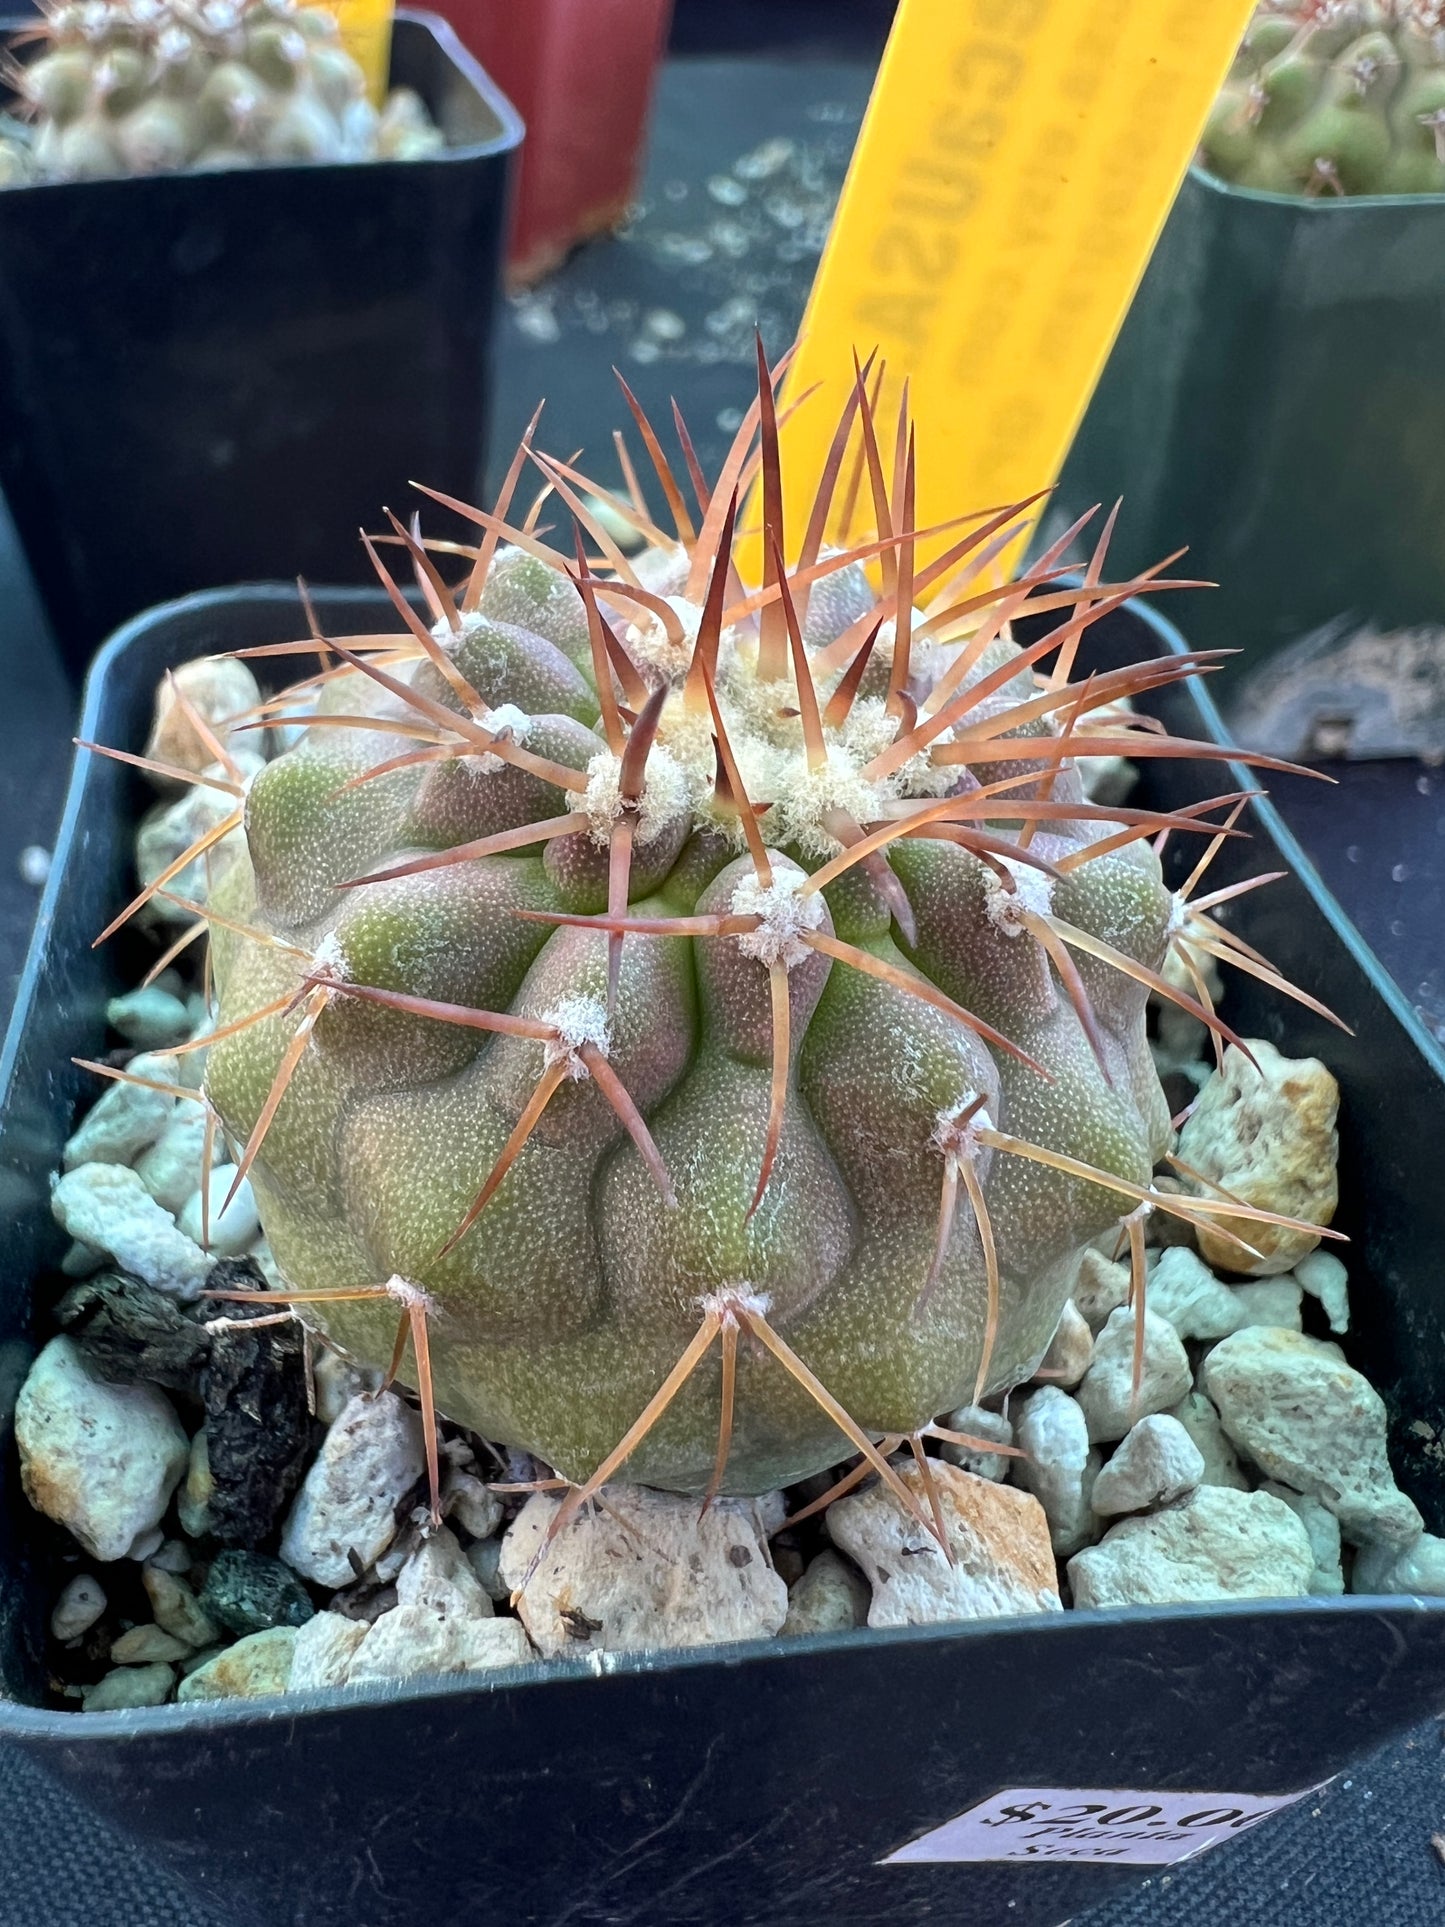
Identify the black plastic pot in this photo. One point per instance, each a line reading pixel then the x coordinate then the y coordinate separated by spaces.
pixel 759 1783
pixel 217 377
pixel 1276 399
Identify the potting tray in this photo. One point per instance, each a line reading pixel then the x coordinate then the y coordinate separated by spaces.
pixel 760 1783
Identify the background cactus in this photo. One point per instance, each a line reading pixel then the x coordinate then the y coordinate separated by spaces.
pixel 715 1017
pixel 1335 97
pixel 150 86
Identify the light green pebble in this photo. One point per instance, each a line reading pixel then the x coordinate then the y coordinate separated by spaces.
pixel 177 1609
pixel 150 1018
pixel 129 1686
pixel 143 1644
pixel 253 1667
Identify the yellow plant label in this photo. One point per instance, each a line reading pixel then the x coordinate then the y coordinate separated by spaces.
pixel 366 35
pixel 1010 181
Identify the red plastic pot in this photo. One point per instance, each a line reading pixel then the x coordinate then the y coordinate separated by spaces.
pixel 580 74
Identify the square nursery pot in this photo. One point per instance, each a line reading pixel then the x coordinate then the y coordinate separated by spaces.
pixel 760 1783
pixel 215 377
pixel 1276 399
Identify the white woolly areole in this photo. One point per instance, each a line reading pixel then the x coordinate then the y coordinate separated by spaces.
pixel 666 794
pixel 647 639
pixel 955 1139
pixel 472 621
pixel 1032 891
pixel 409 1296
pixel 577 1021
pixel 735 1298
pixel 785 914
pixel 505 720
pixel 1178 915
pixel 328 959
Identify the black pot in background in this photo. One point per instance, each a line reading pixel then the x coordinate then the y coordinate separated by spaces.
pixel 219 377
pixel 1276 400
pixel 755 1784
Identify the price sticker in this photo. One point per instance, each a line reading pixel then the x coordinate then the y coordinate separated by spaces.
pixel 1109 1826
pixel 1013 173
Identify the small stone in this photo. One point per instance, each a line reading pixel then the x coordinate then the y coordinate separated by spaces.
pixel 129 1686
pixel 1323 1529
pixel 169 830
pixel 643 1570
pixel 258 1427
pixel 1107 1393
pixel 999 1538
pixel 442 1622
pixel 79 1261
pixel 1312 1422
pixel 1071 1350
pixel 195 1494
pixel 232 1227
pixel 485 1560
pixel 194 1661
pixel 146 1544
pixel 128 1333
pixel 471 1504
pixel 174 1556
pixel 171 1169
pixel 101 1459
pixel 347 1504
pixel 1201 1422
pixel 80 1605
pixel 831 1597
pixel 1215 1544
pixel 149 1018
pixel 1325 1278
pixel 336 1382
pixel 324 1649
pixel 1059 1466
pixel 1157 1463
pixel 1273 1302
pixel 1100 1288
pixel 1266 1136
pixel 246 1592
pixel 1419 1568
pixel 977 1422
pixel 125 1119
pixel 107 1206
pixel 1183 1289
pixel 143 1644
pixel 254 1667
pixel 177 1609
pixel 217 688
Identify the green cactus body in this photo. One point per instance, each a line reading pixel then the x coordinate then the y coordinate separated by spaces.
pixel 1335 97
pixel 822 1020
pixel 153 86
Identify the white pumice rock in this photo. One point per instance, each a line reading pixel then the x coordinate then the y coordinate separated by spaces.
pixel 196 1489
pixel 643 1570
pixel 468 1501
pixel 1324 1536
pixel 1184 1290
pixel 977 1422
pixel 255 1667
pixel 442 1622
pixel 170 1169
pixel 147 1645
pixel 218 689
pixel 79 1606
pixel 324 1649
pixel 233 1227
pixel 149 1018
pixel 1419 1568
pixel 1100 1288
pixel 1274 1302
pixel 1002 1560
pixel 1156 1463
pixel 169 830
pixel 336 1381
pixel 831 1597
pixel 125 1119
pixel 1267 1137
pixel 1071 1350
pixel 129 1686
pixel 371 1458
pixel 101 1459
pixel 1201 1422
pixel 108 1206
pixel 1107 1392
pixel 1324 1277
pixel 1312 1422
pixel 177 1609
pixel 1216 1544
pixel 1059 1466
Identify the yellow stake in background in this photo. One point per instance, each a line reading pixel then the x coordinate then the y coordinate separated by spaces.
pixel 366 35
pixel 1013 173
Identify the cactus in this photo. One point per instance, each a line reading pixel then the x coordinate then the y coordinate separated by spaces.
pixel 1335 97
pixel 151 86
pixel 713 1017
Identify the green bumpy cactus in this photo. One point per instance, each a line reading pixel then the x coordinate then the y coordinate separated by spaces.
pixel 671 946
pixel 153 86
pixel 1335 97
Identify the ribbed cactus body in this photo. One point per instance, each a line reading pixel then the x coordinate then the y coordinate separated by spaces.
pixel 1335 97
pixel 152 86
pixel 566 1305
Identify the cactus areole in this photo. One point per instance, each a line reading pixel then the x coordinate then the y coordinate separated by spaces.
pixel 712 1012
